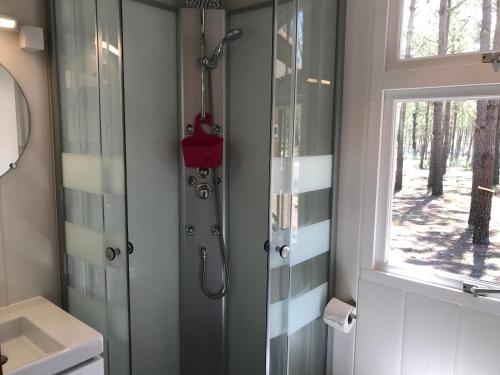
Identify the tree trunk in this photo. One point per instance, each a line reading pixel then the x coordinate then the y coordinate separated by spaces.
pixel 436 165
pixel 435 181
pixel 496 47
pixel 470 139
pixel 414 132
pixel 443 27
pixel 425 140
pixel 484 120
pixel 458 147
pixel 409 29
pixel 454 132
pixel 484 161
pixel 446 132
pixel 496 172
pixel 398 183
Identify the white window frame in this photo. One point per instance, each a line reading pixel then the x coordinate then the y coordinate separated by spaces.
pixel 435 78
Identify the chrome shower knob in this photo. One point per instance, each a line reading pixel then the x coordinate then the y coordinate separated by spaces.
pixel 203 191
pixel 112 253
pixel 284 251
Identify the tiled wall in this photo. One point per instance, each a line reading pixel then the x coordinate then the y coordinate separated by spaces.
pixel 28 249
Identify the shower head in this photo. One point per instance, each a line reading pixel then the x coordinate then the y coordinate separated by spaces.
pixel 231 35
pixel 203 4
pixel 234 34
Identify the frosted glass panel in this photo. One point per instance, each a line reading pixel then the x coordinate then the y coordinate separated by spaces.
pixel 152 145
pixel 89 77
pixel 301 200
pixel 78 78
pixel 250 72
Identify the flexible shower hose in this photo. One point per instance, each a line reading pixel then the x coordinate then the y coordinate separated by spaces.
pixel 218 212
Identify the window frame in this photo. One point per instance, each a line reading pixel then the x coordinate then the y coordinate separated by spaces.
pixel 450 77
pixel 395 16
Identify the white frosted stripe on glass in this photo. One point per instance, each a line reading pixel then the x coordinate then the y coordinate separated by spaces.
pixel 84 243
pixel 310 241
pixel 82 172
pixel 305 243
pixel 302 310
pixel 88 310
pixel 312 173
pixel 309 173
pixel 306 308
pixel 277 318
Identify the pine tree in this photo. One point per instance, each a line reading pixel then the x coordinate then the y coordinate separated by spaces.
pixel 436 170
pixel 483 160
pixel 398 183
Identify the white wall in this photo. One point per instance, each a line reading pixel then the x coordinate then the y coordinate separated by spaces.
pixel 28 250
pixel 404 326
pixel 404 332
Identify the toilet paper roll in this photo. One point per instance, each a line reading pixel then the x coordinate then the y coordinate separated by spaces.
pixel 339 315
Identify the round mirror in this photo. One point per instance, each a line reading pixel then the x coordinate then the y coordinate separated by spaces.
pixel 14 121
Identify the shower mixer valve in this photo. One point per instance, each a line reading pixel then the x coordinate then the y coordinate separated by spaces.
pixel 203 191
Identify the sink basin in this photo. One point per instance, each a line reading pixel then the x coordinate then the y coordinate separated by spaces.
pixel 37 337
pixel 22 342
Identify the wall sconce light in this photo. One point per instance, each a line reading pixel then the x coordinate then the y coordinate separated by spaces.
pixel 30 37
pixel 8 23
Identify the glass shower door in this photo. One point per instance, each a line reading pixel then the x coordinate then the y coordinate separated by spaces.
pixel 88 44
pixel 301 186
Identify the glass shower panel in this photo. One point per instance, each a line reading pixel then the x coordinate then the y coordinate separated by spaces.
pixel 152 160
pixel 88 58
pixel 281 169
pixel 301 185
pixel 250 93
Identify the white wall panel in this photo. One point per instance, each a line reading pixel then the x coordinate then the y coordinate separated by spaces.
pixel 29 261
pixel 430 336
pixel 379 330
pixel 402 332
pixel 479 345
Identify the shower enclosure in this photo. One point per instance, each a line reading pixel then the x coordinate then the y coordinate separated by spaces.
pixel 138 228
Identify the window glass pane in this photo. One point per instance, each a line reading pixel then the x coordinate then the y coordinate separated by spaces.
pixel 446 203
pixel 447 27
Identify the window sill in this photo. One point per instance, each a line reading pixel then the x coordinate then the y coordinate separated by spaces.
pixel 431 287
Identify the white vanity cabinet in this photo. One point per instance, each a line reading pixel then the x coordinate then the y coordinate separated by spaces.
pixel 93 367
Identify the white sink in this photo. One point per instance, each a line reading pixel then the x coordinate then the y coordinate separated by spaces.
pixel 37 337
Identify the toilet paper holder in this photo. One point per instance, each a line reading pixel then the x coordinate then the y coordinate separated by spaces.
pixel 354 314
pixel 340 315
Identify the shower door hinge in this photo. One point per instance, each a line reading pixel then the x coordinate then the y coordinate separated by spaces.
pixel 266 246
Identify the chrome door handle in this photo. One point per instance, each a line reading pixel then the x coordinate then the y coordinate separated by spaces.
pixel 284 251
pixel 112 253
pixel 477 291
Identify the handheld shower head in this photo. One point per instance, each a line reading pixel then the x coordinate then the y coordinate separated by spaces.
pixel 231 35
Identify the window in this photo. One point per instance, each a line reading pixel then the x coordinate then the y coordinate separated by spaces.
pixel 440 218
pixel 435 152
pixel 447 27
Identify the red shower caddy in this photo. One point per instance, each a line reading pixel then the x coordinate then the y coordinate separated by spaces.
pixel 202 150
